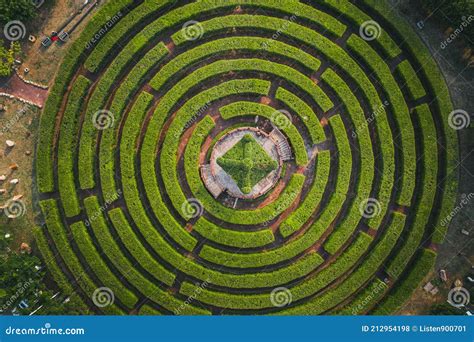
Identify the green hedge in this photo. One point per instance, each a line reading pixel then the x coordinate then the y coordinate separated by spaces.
pixel 98 100
pixel 169 161
pixel 99 267
pixel 401 115
pixel 304 289
pixel 122 97
pixel 402 291
pixel 344 154
pixel 137 250
pixel 298 218
pixel 58 234
pixel 67 147
pixel 289 250
pixel 69 64
pixel 366 299
pixel 114 37
pixel 329 24
pixel 411 80
pixel 124 266
pixel 358 278
pixel 432 72
pixel 427 193
pixel 358 17
pixel 233 238
pixel 304 112
pixel 366 171
pixel 147 310
pixel 130 133
pixel 224 45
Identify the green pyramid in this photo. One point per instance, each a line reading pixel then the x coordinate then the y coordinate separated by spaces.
pixel 247 163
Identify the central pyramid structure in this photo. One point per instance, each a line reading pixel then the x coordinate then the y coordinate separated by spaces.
pixel 247 163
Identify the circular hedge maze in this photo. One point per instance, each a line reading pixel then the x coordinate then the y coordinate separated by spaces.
pixel 245 157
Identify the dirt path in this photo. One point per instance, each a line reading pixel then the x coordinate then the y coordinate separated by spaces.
pixel 24 91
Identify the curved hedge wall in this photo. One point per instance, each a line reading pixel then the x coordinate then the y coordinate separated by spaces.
pixel 133 117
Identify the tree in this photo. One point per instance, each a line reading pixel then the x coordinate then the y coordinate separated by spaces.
pixel 16 10
pixel 7 58
pixel 19 279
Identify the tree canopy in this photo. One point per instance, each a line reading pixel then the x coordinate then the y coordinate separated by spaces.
pixel 16 10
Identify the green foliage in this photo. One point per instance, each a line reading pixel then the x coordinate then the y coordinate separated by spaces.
pixel 22 10
pixel 298 218
pixel 67 146
pixel 7 59
pixel 169 100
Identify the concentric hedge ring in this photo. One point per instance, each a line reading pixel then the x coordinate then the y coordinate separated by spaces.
pixel 350 227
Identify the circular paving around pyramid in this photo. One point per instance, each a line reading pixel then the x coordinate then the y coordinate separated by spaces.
pixel 351 225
